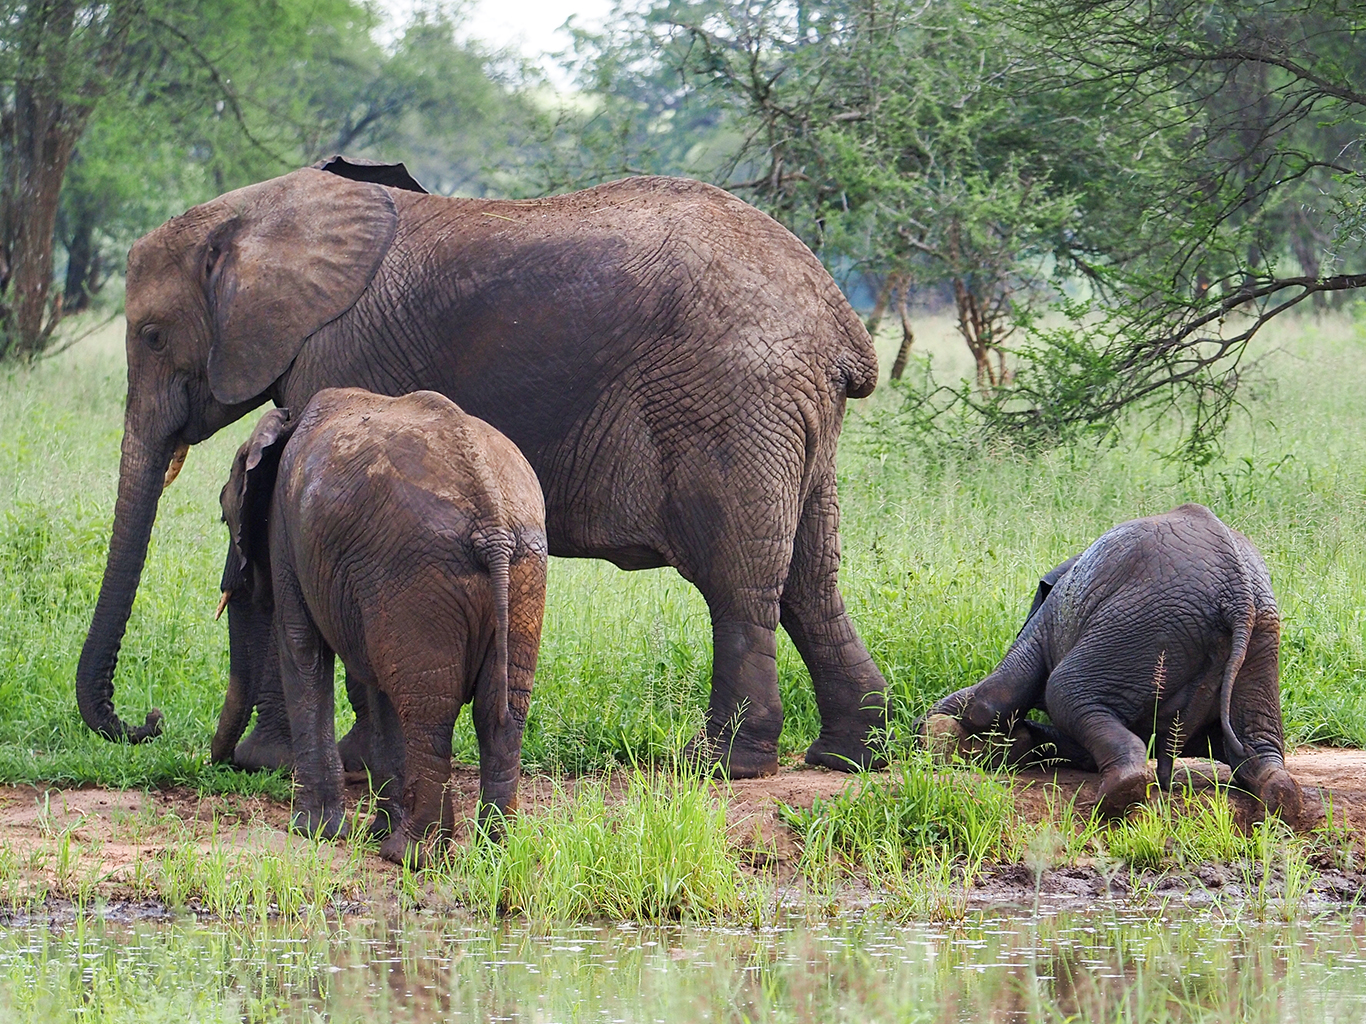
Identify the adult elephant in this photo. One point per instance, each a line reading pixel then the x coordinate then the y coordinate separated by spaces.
pixel 673 363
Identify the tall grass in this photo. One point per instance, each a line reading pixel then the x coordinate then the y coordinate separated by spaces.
pixel 917 811
pixel 941 555
pixel 657 852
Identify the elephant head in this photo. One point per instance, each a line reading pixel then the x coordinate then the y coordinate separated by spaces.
pixel 246 584
pixel 219 302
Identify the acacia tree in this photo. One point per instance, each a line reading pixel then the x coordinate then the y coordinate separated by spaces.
pixel 1251 118
pixel 63 64
pixel 1184 172
pixel 884 133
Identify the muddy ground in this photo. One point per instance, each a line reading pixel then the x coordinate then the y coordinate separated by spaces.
pixel 96 838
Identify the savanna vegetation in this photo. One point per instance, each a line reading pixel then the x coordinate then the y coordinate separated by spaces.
pixel 1110 254
pixel 942 550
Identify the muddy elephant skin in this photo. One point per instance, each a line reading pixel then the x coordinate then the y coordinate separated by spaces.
pixel 673 364
pixel 409 539
pixel 1165 627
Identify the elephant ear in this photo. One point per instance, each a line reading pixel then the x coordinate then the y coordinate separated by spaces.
pixel 1046 585
pixel 246 498
pixel 293 254
pixel 357 168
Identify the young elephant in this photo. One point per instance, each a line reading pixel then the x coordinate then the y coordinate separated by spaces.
pixel 1164 626
pixel 408 538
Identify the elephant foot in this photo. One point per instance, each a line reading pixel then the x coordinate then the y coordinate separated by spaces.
pixel 263 752
pixel 734 761
pixel 948 739
pixel 846 755
pixel 1122 788
pixel 942 735
pixel 1300 809
pixel 400 848
pixel 382 825
pixel 493 819
pixel 321 824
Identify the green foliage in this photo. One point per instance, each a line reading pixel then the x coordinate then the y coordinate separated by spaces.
pixel 1161 183
pixel 148 108
pixel 918 814
pixel 885 134
pixel 655 849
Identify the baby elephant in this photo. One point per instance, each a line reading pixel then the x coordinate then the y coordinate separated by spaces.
pixel 1164 626
pixel 408 538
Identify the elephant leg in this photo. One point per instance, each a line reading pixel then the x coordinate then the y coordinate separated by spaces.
pixel 1074 700
pixel 997 706
pixel 500 752
pixel 384 757
pixel 1255 716
pixel 1035 745
pixel 747 551
pixel 1017 684
pixel 954 704
pixel 251 631
pixel 426 699
pixel 500 745
pixel 306 670
pixel 745 713
pixel 850 691
pixel 355 746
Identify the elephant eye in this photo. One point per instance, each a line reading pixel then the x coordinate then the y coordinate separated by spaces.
pixel 152 338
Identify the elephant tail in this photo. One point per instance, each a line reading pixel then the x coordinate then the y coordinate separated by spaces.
pixel 1241 617
pixel 1242 634
pixel 497 555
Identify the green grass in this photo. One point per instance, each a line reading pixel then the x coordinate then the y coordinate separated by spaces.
pixel 659 852
pixel 917 812
pixel 922 836
pixel 941 557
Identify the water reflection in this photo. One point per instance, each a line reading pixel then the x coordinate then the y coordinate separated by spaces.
pixel 1090 967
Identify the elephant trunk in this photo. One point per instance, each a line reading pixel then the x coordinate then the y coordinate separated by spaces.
pixel 142 472
pixel 243 684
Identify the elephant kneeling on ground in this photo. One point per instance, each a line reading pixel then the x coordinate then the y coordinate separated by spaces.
pixel 1165 627
pixel 408 538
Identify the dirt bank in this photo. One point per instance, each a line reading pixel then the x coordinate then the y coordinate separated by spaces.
pixel 99 841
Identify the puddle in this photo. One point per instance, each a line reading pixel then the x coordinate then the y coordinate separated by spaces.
pixel 424 968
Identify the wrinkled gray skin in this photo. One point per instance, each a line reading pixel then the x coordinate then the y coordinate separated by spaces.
pixel 1167 626
pixel 673 364
pixel 254 684
pixel 409 539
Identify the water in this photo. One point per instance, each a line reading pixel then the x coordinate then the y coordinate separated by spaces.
pixel 1102 966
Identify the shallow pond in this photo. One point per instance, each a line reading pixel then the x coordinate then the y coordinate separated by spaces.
pixel 1103 966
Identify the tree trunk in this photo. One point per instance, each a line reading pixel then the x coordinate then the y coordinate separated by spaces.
pixel 41 134
pixel 59 58
pixel 982 326
pixel 82 264
pixel 884 296
pixel 907 336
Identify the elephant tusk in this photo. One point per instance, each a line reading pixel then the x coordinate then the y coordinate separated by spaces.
pixel 222 603
pixel 177 461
